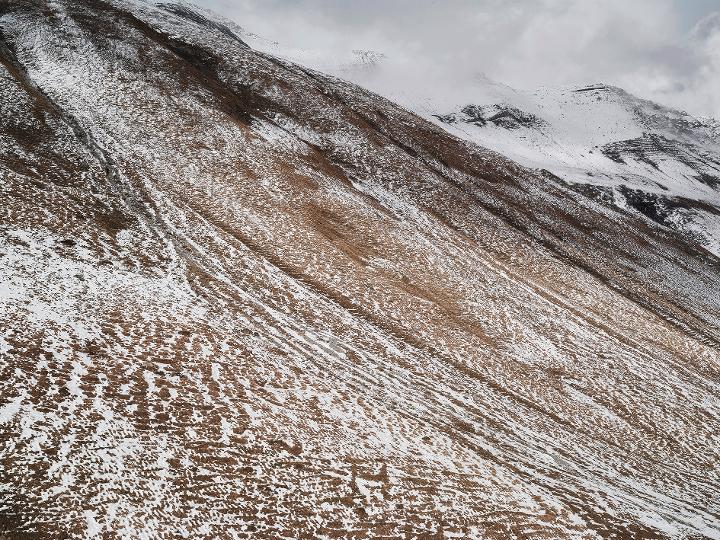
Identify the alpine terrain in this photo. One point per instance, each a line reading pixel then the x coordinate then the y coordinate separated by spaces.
pixel 240 298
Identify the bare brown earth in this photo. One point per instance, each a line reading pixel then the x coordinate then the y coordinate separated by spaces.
pixel 241 299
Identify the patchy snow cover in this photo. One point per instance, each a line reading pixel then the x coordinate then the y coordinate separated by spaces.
pixel 596 135
pixel 241 299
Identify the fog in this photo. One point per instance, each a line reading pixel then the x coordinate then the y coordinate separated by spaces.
pixel 665 50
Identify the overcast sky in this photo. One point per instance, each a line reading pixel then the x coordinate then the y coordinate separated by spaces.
pixel 666 50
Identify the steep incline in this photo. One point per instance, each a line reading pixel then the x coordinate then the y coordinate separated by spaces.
pixel 631 153
pixel 241 299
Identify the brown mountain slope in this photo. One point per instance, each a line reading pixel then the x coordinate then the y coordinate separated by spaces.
pixel 240 299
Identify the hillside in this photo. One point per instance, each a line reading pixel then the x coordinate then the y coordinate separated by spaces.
pixel 243 299
pixel 636 155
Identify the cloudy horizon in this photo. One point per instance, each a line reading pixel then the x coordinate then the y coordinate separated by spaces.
pixel 664 50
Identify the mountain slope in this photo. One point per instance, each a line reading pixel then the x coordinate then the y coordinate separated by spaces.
pixel 243 299
pixel 632 153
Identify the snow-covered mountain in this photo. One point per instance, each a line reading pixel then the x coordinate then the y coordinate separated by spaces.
pixel 625 151
pixel 240 298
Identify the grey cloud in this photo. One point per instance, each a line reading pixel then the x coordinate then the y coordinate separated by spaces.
pixel 667 50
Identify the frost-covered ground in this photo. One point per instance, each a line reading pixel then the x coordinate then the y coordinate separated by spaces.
pixel 242 299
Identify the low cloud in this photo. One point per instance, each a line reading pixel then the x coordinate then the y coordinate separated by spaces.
pixel 665 50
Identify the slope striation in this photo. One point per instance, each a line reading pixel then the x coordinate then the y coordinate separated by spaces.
pixel 242 299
